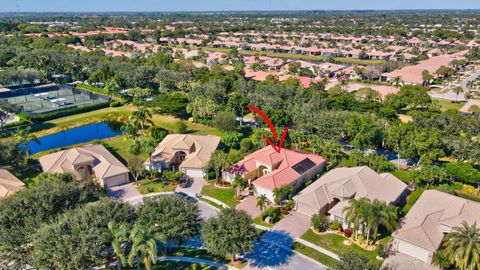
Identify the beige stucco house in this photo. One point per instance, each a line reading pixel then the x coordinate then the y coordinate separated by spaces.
pixel 184 152
pixel 9 184
pixel 332 192
pixel 92 159
pixel 421 232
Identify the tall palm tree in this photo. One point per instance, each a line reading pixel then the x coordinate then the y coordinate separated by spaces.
pixel 143 116
pixel 24 137
pixel 218 161
pixel 119 236
pixel 262 202
pixel 385 215
pixel 144 247
pixel 462 246
pixel 355 214
pixel 130 129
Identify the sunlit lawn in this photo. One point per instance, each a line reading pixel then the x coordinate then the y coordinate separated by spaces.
pixel 225 195
pixel 156 185
pixel 312 253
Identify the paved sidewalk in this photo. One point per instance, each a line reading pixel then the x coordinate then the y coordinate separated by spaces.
pixel 196 260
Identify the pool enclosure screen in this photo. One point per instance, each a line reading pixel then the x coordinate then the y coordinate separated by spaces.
pixel 44 99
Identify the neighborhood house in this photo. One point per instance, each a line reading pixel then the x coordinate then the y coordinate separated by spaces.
pixel 9 184
pixel 183 152
pixel 266 169
pixel 333 191
pixel 420 233
pixel 93 159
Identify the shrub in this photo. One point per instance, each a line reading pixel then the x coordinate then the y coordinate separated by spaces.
pixel 246 145
pixel 115 103
pixel 158 133
pixel 335 225
pixel 382 250
pixel 320 222
pixel 463 172
pixel 68 112
pixel 180 127
pixel 347 232
pixel 308 183
pixel 441 260
pixel 273 213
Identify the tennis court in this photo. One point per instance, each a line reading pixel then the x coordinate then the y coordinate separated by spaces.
pixel 44 99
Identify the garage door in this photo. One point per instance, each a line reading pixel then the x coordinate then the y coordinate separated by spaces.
pixel 194 173
pixel 413 251
pixel 306 209
pixel 116 180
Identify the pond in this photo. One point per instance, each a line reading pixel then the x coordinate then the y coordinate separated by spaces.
pixel 74 136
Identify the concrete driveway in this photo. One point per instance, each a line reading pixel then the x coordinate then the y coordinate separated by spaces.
pixel 295 224
pixel 249 205
pixel 273 251
pixel 123 192
pixel 193 187
pixel 399 261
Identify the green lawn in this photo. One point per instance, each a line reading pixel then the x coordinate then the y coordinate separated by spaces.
pixel 211 203
pixel 334 243
pixel 203 254
pixel 258 221
pixel 225 195
pixel 446 105
pixel 156 185
pixel 171 265
pixel 356 61
pixel 312 253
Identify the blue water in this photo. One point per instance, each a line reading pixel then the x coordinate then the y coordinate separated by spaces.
pixel 73 136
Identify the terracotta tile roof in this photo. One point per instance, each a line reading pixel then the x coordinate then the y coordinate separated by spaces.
pixel 283 165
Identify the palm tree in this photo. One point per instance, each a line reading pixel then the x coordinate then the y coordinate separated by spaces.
pixel 143 116
pixel 332 150
pixel 144 247
pixel 462 246
pixel 130 129
pixel 385 215
pixel 25 137
pixel 262 202
pixel 354 214
pixel 119 236
pixel 457 90
pixel 239 184
pixel 218 162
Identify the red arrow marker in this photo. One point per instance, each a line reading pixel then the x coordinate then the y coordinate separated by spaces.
pixel 272 129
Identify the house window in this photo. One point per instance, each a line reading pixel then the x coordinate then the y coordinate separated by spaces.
pixel 265 171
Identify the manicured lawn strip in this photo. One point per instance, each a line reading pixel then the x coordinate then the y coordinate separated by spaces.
pixel 347 60
pixel 446 105
pixel 225 195
pixel 211 203
pixel 156 185
pixel 172 265
pixel 334 243
pixel 312 253
pixel 203 254
pixel 258 220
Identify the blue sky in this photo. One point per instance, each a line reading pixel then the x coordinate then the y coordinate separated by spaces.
pixel 210 5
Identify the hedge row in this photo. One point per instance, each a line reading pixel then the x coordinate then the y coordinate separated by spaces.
pixel 68 112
